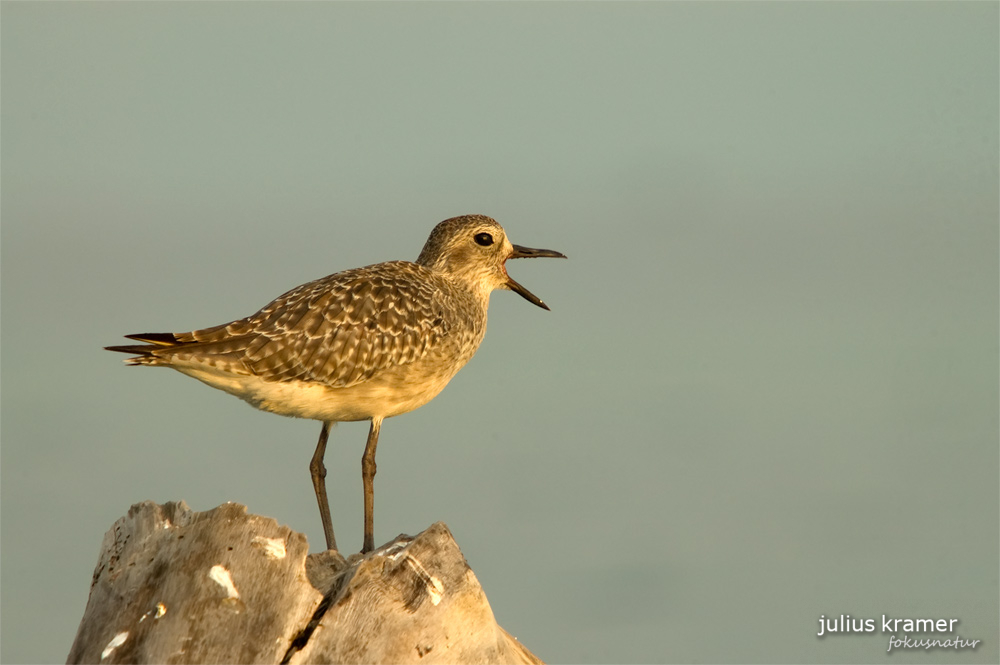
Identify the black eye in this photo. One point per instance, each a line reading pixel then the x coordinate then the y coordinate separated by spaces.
pixel 484 239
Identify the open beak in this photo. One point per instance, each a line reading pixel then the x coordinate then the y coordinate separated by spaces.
pixel 529 253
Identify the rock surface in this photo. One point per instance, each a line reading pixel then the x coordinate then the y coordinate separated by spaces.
pixel 176 586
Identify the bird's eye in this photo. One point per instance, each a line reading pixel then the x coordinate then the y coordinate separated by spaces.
pixel 484 239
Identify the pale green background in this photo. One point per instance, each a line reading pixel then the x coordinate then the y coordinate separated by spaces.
pixel 767 389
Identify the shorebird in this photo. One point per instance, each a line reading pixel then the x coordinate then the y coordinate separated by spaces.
pixel 363 344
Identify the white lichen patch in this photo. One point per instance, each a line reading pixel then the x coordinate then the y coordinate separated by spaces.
pixel 115 642
pixel 274 548
pixel 221 576
pixel 394 551
pixel 435 589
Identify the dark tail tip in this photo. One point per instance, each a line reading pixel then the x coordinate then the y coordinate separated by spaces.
pixel 134 349
pixel 162 339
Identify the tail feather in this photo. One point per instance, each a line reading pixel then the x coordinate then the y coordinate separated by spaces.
pixel 143 353
pixel 146 353
pixel 160 339
pixel 164 349
pixel 139 349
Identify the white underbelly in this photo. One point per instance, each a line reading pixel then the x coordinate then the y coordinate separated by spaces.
pixel 380 397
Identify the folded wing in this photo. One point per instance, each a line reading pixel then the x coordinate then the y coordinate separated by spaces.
pixel 339 330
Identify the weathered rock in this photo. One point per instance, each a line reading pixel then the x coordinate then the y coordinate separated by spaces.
pixel 174 586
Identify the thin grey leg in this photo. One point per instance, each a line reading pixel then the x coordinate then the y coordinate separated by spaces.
pixel 318 472
pixel 367 478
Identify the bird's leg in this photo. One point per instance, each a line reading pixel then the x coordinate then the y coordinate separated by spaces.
pixel 367 477
pixel 318 472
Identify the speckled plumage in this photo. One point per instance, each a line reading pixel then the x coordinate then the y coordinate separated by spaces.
pixel 387 333
pixel 363 344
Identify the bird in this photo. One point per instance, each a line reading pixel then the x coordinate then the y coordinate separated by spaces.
pixel 363 344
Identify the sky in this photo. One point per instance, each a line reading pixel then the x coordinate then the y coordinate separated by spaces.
pixel 767 391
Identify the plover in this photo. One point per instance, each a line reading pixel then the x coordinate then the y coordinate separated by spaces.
pixel 363 344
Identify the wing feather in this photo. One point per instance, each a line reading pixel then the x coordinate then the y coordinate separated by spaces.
pixel 340 330
pixel 343 329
